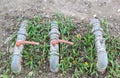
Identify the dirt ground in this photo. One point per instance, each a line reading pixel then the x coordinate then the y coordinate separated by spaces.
pixel 13 11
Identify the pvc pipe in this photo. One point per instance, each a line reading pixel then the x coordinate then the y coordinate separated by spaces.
pixel 54 49
pixel 54 46
pixel 17 57
pixel 102 59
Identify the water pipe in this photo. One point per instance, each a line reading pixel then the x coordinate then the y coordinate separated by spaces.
pixel 20 41
pixel 102 59
pixel 54 46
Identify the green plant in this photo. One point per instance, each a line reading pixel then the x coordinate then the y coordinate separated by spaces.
pixel 79 59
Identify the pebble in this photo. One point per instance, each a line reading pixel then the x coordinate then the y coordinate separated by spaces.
pixel 94 15
pixel 118 10
pixel 40 71
pixel 30 73
pixel 11 50
pixel 110 16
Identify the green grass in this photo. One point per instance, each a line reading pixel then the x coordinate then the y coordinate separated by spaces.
pixel 79 59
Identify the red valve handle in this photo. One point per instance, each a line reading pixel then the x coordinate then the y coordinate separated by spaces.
pixel 60 41
pixel 21 42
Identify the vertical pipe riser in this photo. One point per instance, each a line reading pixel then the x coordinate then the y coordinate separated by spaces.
pixel 102 59
pixel 54 50
pixel 17 55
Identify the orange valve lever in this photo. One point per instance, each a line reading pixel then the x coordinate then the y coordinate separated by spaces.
pixel 60 41
pixel 21 42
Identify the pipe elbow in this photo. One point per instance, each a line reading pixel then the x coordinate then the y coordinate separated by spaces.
pixel 54 61
pixel 16 64
pixel 102 61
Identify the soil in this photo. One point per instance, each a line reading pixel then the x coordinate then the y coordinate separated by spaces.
pixel 12 12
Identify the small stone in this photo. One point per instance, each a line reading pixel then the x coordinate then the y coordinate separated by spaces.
pixel 44 67
pixel 30 73
pixel 40 71
pixel 11 50
pixel 4 35
pixel 47 16
pixel 61 75
pixel 20 9
pixel 110 16
pixel 118 10
pixel 94 15
pixel 45 1
pixel 44 61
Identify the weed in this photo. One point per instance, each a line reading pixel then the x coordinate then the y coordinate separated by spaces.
pixel 79 59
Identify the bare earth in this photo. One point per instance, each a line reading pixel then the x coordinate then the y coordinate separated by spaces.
pixel 13 11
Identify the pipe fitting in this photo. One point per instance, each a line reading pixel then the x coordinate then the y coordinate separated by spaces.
pixel 54 46
pixel 102 59
pixel 17 55
pixel 54 50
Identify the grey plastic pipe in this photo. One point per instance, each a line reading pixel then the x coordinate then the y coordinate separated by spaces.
pixel 17 55
pixel 54 50
pixel 102 59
